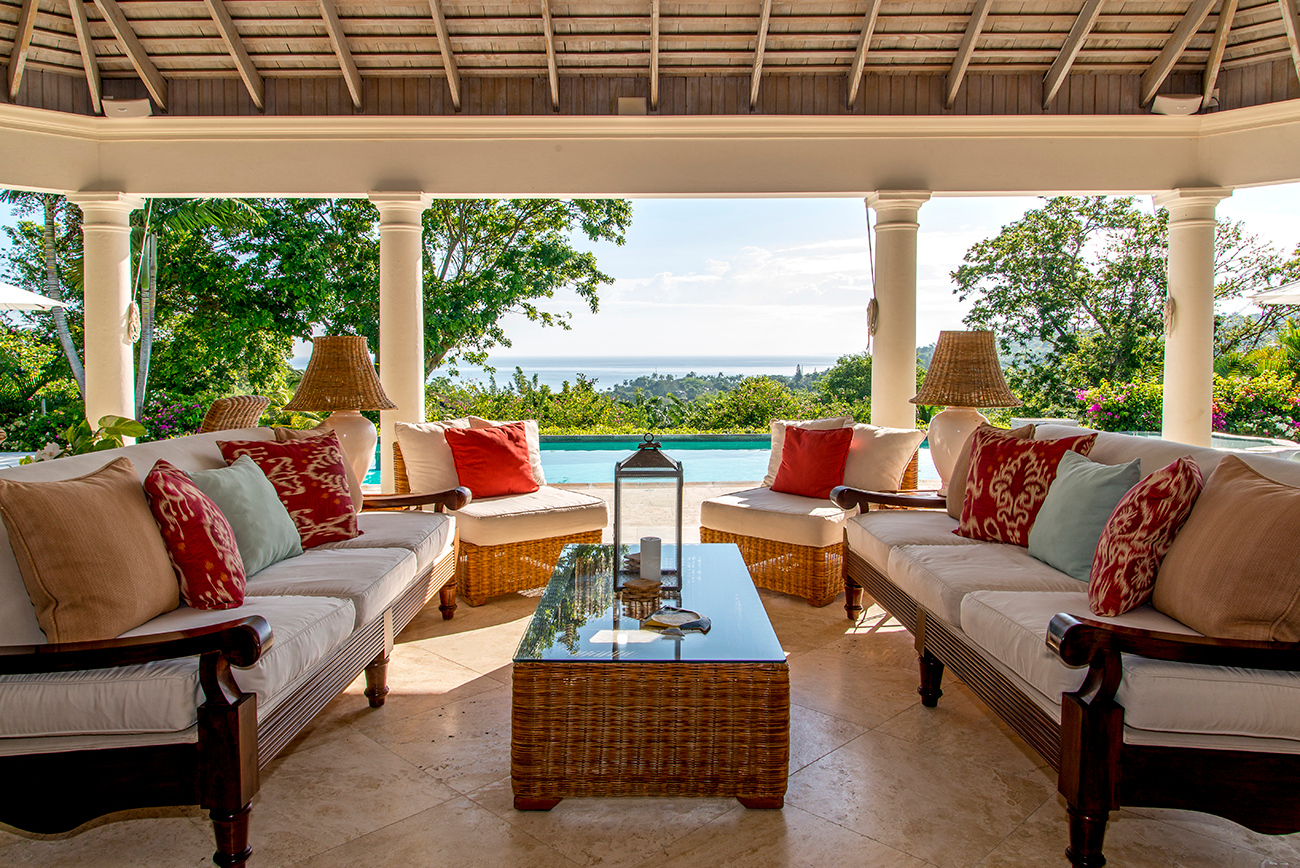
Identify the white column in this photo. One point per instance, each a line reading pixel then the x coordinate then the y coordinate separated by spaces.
pixel 106 279
pixel 401 316
pixel 893 357
pixel 1189 343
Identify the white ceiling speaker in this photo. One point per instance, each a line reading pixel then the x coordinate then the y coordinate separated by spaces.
pixel 1176 104
pixel 126 108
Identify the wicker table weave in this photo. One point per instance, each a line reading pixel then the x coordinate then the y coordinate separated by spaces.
pixel 602 708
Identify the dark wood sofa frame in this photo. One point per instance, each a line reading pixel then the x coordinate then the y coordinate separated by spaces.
pixel 1097 772
pixel 220 771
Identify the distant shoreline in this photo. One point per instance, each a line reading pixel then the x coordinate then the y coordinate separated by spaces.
pixel 609 371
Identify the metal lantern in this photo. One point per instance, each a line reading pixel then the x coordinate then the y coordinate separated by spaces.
pixel 648 464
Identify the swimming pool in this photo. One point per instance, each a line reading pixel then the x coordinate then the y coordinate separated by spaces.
pixel 579 460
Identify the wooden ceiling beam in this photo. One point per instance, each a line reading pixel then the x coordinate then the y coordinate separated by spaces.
pixel 1070 50
pixel 149 74
pixel 654 55
pixel 1160 68
pixel 967 47
pixel 1226 13
pixel 1292 23
pixel 334 28
pixel 22 45
pixel 444 47
pixel 864 43
pixel 756 76
pixel 552 66
pixel 238 53
pixel 89 60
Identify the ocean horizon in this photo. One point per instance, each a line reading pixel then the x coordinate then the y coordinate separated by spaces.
pixel 609 371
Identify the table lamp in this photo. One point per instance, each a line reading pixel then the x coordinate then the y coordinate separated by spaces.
pixel 341 379
pixel 964 374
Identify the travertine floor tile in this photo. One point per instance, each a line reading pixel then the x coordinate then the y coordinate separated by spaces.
pixel 801 627
pixel 1285 847
pixel 457 834
pixel 947 810
pixel 317 798
pixel 153 836
pixel 768 839
pixel 605 832
pixel 850 686
pixel 813 735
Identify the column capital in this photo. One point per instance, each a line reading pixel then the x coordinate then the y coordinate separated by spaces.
pixel 1191 203
pixel 106 207
pixel 397 208
pixel 897 206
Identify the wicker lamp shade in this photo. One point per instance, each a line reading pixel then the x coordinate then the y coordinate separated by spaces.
pixel 340 376
pixel 965 372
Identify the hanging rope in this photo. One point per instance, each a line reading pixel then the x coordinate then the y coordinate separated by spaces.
pixel 133 313
pixel 873 306
pixel 1170 309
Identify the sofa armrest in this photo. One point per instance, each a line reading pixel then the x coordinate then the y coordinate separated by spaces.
pixel 1085 642
pixel 456 498
pixel 847 498
pixel 242 642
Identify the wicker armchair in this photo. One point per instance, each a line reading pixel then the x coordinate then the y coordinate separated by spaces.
pixel 484 571
pixel 241 411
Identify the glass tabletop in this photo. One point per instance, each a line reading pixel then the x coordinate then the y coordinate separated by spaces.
pixel 581 618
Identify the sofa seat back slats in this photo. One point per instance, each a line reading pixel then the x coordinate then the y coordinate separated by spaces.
pixel 162 696
pixel 873 535
pixel 938 577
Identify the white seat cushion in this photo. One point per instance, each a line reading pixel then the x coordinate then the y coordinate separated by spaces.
pixel 774 515
pixel 163 697
pixel 540 514
pixel 939 576
pixel 427 535
pixel 1164 702
pixel 371 578
pixel 872 535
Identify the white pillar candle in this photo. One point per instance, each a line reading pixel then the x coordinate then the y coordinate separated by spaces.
pixel 651 548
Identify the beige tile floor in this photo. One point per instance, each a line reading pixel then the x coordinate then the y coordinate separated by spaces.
pixel 875 778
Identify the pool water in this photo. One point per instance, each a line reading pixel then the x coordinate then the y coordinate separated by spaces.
pixel 591 460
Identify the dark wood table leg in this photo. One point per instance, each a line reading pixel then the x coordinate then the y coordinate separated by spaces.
pixel 762 802
pixel 525 803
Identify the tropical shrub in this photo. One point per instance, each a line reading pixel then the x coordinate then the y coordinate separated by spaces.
pixel 1122 406
pixel 1266 405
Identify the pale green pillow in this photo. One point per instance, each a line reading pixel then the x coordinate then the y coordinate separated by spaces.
pixel 263 529
pixel 1076 509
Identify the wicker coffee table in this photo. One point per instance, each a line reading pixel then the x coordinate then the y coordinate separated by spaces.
pixel 603 708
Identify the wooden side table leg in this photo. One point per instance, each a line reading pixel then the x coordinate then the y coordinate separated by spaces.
pixel 526 803
pixel 762 802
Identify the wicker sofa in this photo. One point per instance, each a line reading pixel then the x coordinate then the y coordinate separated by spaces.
pixel 187 708
pixel 1135 710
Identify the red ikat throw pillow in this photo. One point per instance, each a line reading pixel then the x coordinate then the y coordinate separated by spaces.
pixel 1008 483
pixel 812 462
pixel 311 479
pixel 1138 535
pixel 492 462
pixel 200 541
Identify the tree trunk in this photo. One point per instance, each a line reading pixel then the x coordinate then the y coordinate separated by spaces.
pixel 54 289
pixel 148 307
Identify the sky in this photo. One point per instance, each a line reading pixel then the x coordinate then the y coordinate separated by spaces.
pixel 788 276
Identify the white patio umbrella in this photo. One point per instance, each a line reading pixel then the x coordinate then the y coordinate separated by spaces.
pixel 14 298
pixel 1286 294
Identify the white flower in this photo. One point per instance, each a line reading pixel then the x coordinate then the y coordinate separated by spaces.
pixel 50 452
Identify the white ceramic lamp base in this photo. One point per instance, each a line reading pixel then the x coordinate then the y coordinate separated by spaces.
pixel 358 437
pixel 949 431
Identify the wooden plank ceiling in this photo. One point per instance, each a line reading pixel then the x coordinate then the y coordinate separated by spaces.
pixel 442 50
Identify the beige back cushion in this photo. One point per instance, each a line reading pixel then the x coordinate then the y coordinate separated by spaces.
pixel 778 438
pixel 90 553
pixel 878 456
pixel 429 464
pixel 534 443
pixel 1234 569
pixel 961 470
pixel 284 435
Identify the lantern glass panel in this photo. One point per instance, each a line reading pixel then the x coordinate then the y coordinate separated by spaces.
pixel 648 502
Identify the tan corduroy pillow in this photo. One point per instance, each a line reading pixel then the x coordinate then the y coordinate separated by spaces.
pixel 91 554
pixel 961 470
pixel 879 456
pixel 284 435
pixel 1233 571
pixel 429 465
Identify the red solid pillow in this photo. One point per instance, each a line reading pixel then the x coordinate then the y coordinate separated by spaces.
pixel 812 462
pixel 200 541
pixel 1138 535
pixel 1008 483
pixel 492 462
pixel 311 478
